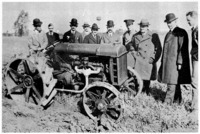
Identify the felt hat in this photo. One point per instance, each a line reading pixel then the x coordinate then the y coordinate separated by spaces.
pixel 110 23
pixel 74 22
pixel 37 22
pixel 129 21
pixel 144 22
pixel 95 26
pixel 86 25
pixel 170 17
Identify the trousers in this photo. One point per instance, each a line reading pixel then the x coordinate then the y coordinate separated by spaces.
pixel 194 84
pixel 146 84
pixel 173 94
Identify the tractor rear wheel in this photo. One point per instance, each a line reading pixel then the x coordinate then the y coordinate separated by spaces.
pixel 26 81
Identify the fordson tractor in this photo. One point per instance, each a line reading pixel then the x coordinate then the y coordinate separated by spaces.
pixel 100 72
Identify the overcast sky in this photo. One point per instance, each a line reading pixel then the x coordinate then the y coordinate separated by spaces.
pixel 61 13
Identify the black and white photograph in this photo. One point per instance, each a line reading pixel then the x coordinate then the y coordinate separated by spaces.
pixel 100 67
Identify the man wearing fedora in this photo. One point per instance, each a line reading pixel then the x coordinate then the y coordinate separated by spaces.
pixel 73 36
pixel 192 19
pixel 37 40
pixel 127 36
pixel 145 48
pixel 93 37
pixel 86 30
pixel 175 66
pixel 110 36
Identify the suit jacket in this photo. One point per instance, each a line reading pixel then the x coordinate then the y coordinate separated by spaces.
pixel 144 48
pixel 37 41
pixel 110 39
pixel 91 40
pixel 72 38
pixel 52 38
pixel 175 52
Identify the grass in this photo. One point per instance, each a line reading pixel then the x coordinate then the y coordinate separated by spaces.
pixel 146 114
pixel 142 114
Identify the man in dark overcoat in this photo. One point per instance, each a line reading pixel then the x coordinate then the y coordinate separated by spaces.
pixel 175 66
pixel 93 37
pixel 73 36
pixel 145 48
pixel 192 19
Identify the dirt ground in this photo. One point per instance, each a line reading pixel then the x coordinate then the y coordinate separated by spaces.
pixel 144 114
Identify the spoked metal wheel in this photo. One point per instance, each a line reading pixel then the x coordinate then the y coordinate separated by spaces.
pixel 101 98
pixel 133 86
pixel 23 81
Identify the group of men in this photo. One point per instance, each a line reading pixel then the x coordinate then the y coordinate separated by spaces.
pixel 144 49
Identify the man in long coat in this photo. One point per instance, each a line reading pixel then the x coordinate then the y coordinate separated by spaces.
pixel 110 36
pixel 145 48
pixel 127 36
pixel 93 37
pixel 192 18
pixel 73 36
pixel 175 68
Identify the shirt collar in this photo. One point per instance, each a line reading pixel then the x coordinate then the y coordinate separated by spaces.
pixel 94 35
pixel 73 32
pixel 36 31
pixel 50 33
pixel 173 29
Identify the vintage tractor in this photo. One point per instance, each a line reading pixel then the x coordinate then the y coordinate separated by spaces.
pixel 98 71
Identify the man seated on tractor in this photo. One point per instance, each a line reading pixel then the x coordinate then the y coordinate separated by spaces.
pixel 37 41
